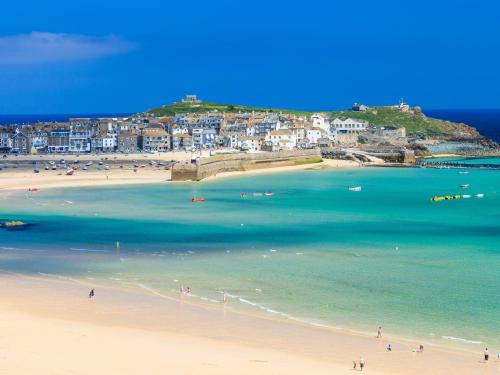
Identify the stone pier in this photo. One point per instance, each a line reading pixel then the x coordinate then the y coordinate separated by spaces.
pixel 206 167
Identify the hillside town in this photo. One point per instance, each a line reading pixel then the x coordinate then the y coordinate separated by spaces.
pixel 245 131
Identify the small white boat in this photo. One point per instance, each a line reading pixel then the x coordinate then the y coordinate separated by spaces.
pixel 463 172
pixel 464 186
pixel 466 196
pixel 355 188
pixel 269 193
pixel 257 194
pixel 479 195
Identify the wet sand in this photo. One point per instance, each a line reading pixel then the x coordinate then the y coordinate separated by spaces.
pixel 50 326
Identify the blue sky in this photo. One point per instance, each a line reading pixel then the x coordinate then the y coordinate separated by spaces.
pixel 121 56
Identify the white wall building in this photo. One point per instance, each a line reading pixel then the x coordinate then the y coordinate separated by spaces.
pixel 314 134
pixel 348 125
pixel 282 139
pixel 319 121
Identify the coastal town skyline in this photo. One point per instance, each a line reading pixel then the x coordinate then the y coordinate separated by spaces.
pixel 266 187
pixel 326 55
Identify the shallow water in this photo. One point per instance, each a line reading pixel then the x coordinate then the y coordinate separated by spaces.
pixel 314 251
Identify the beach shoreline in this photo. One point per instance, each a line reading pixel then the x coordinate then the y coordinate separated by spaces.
pixel 128 330
pixel 25 178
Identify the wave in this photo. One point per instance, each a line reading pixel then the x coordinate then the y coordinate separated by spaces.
pixel 155 292
pixel 6 248
pixel 461 340
pixel 88 250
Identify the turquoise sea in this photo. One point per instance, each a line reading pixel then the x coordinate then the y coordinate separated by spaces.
pixel 314 251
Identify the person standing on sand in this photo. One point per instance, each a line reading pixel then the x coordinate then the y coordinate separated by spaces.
pixel 91 294
pixel 486 355
pixel 361 364
pixel 379 332
pixel 354 364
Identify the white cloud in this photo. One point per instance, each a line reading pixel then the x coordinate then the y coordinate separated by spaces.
pixel 42 47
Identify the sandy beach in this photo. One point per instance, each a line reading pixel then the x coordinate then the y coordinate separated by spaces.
pixel 50 326
pixel 24 178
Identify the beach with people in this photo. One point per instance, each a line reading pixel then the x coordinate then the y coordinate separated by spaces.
pixel 264 274
pixel 124 332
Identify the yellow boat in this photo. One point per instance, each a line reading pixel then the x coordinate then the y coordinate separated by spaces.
pixel 446 198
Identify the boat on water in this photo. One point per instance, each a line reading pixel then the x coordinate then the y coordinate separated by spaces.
pixel 355 188
pixel 243 195
pixel 257 194
pixel 466 196
pixel 196 200
pixel 479 195
pixel 269 193
pixel 446 198
pixel 463 172
pixel 464 186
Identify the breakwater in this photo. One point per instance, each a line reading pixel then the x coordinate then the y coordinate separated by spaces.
pixel 206 167
pixel 456 165
pixel 364 155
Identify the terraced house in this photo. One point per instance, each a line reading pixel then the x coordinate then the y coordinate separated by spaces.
pixel 154 140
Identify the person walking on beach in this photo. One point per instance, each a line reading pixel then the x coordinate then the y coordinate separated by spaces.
pixel 379 333
pixel 224 297
pixel 91 294
pixel 389 348
pixel 486 355
pixel 361 364
pixel 354 365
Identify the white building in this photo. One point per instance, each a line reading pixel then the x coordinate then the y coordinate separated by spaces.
pixel 348 125
pixel 319 121
pixel 282 139
pixel 251 143
pixel 314 134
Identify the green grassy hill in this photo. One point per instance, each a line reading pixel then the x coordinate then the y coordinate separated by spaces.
pixel 172 109
pixel 415 123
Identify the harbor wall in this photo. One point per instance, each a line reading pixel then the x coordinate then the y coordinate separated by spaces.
pixel 206 167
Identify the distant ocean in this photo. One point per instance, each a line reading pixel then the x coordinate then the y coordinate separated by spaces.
pixel 60 117
pixel 486 121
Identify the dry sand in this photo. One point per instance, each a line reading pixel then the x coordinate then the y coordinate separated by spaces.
pixel 49 326
pixel 25 178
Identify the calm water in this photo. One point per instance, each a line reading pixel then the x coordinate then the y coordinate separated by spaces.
pixel 58 117
pixel 487 121
pixel 315 251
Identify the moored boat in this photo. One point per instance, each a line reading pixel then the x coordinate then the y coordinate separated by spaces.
pixel 195 200
pixel 355 188
pixel 446 198
pixel 243 195
pixel 464 186
pixel 479 195
pixel 257 194
pixel 269 193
